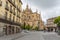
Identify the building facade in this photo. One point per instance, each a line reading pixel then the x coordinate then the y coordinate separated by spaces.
pixel 10 16
pixel 50 24
pixel 42 25
pixel 31 18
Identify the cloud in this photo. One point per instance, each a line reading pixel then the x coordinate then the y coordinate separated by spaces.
pixel 44 3
pixel 53 12
pixel 48 8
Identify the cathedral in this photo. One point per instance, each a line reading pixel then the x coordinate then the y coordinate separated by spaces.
pixel 32 18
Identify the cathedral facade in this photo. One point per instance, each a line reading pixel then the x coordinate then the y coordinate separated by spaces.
pixel 31 18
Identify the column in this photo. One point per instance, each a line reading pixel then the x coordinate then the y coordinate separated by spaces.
pixel 7 30
pixel 14 29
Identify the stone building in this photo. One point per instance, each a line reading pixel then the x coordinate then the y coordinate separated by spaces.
pixel 31 18
pixel 10 16
pixel 42 26
pixel 50 24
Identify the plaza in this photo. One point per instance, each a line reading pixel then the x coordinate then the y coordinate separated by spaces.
pixel 32 35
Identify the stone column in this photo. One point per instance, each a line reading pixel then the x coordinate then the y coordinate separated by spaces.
pixel 14 29
pixel 11 29
pixel 7 30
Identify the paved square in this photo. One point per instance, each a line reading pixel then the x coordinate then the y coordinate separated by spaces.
pixel 32 36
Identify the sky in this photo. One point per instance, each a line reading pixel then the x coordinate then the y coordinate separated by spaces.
pixel 47 8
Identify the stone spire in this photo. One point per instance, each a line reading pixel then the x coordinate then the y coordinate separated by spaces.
pixel 30 10
pixel 27 6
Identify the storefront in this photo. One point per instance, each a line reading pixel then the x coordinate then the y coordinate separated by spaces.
pixel 9 29
pixel 51 29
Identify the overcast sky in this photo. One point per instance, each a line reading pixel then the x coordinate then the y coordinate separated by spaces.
pixel 48 8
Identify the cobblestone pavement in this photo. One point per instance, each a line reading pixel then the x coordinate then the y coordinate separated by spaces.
pixel 32 36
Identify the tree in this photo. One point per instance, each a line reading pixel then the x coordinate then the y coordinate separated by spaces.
pixel 57 21
pixel 23 26
pixel 28 27
pixel 36 28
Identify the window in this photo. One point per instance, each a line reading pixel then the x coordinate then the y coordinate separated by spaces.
pixel 6 3
pixel 19 0
pixel 14 1
pixel 13 18
pixel 29 17
pixel 6 7
pixel 0 3
pixel 10 17
pixel 14 11
pixel 11 0
pixel 10 8
pixel 16 19
pixel 5 15
pixel 17 12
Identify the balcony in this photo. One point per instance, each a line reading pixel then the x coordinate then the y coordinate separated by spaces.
pixel 13 3
pixel 6 7
pixel 4 18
